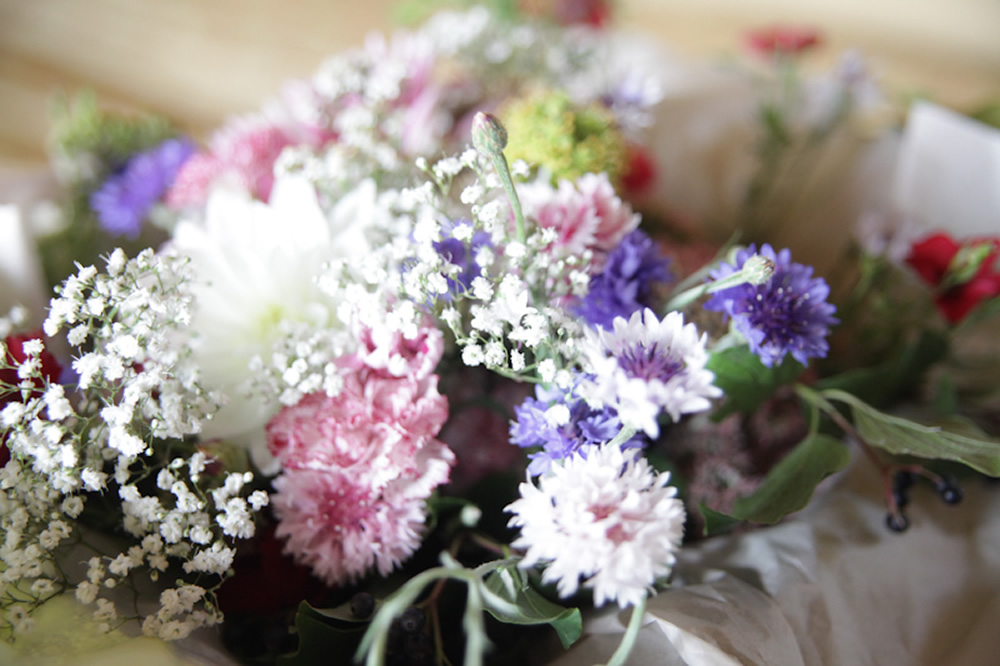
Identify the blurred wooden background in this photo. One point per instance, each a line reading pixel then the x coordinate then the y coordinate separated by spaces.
pixel 198 61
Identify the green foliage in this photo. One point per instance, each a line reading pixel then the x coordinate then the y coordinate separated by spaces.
pixel 527 606
pixel 901 436
pixel 88 145
pixel 789 485
pixel 886 382
pixel 324 637
pixel 746 381
pixel 547 129
pixel 81 130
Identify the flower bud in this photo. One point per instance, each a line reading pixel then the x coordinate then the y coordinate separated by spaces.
pixel 488 134
pixel 758 269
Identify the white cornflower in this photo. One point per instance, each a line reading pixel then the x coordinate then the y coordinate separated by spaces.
pixel 607 518
pixel 644 366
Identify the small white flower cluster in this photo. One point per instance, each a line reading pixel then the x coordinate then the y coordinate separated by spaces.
pixel 497 294
pixel 387 103
pixel 135 400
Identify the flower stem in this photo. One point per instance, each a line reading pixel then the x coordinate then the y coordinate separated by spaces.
pixel 631 633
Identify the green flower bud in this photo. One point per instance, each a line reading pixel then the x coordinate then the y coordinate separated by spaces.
pixel 488 134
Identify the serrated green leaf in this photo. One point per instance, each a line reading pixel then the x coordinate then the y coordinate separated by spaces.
pixel 511 585
pixel 905 437
pixel 746 381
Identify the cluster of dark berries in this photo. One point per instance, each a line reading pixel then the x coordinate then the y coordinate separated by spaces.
pixel 409 644
pixel 946 487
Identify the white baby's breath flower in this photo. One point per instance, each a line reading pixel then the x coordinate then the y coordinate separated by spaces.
pixel 606 518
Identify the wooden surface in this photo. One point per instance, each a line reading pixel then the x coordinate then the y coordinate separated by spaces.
pixel 198 61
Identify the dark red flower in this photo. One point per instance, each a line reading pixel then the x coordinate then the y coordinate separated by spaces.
pixel 961 284
pixel 595 13
pixel 782 39
pixel 14 356
pixel 640 170
pixel 266 579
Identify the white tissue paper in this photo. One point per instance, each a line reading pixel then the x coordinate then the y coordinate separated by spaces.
pixel 948 174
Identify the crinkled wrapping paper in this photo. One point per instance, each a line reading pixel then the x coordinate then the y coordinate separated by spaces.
pixel 832 585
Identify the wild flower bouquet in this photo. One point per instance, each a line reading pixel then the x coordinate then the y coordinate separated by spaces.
pixel 428 318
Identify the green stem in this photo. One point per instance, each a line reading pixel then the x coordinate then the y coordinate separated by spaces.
pixel 503 170
pixel 631 633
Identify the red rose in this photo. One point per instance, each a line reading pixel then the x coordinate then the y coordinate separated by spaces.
pixel 961 284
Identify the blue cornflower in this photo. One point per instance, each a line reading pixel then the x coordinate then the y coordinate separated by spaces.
pixel 125 198
pixel 627 282
pixel 462 253
pixel 788 314
pixel 562 424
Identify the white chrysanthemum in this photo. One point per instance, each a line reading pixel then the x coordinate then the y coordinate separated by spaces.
pixel 645 365
pixel 256 266
pixel 607 518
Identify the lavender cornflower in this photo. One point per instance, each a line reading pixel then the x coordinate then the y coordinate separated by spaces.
pixel 627 282
pixel 563 425
pixel 459 248
pixel 125 198
pixel 788 314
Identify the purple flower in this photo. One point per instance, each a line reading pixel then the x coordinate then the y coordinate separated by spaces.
pixel 125 198
pixel 627 283
pixel 788 314
pixel 562 425
pixel 462 253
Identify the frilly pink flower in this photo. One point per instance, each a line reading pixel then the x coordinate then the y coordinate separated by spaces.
pixel 587 214
pixel 358 466
pixel 396 355
pixel 244 151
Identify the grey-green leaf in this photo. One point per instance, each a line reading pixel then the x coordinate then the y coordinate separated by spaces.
pixel 511 585
pixel 791 483
pixel 905 437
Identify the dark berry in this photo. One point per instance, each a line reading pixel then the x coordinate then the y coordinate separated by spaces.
pixel 901 497
pixel 362 605
pixel 897 522
pixel 419 648
pixel 950 493
pixel 412 620
pixel 903 480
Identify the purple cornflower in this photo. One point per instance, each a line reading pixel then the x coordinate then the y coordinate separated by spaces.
pixel 125 198
pixel 627 282
pixel 462 253
pixel 788 314
pixel 562 425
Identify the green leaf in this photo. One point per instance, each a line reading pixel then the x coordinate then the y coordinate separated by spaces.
pixel 746 381
pixel 716 522
pixel 789 485
pixel 320 640
pixel 884 383
pixel 905 437
pixel 512 586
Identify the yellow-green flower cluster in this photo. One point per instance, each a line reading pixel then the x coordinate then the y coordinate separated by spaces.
pixel 569 140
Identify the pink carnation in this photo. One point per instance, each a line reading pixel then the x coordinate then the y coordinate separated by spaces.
pixel 358 466
pixel 244 151
pixel 586 214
